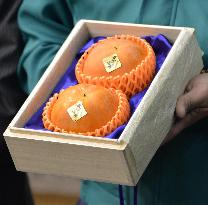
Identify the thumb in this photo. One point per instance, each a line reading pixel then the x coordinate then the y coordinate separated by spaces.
pixel 192 117
pixel 187 102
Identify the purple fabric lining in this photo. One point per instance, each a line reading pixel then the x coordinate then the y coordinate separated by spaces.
pixel 161 47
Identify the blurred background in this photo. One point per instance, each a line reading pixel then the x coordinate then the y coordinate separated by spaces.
pixel 54 190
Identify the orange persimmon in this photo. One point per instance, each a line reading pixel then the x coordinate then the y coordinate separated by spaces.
pixel 104 110
pixel 122 62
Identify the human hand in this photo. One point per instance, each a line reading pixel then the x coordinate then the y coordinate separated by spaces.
pixel 191 106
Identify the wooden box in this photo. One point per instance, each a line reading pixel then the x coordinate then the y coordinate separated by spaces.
pixel 120 160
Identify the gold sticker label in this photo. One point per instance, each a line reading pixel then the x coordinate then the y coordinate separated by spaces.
pixel 111 63
pixel 77 111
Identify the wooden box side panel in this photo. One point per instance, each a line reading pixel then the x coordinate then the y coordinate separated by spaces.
pixel 154 116
pixel 99 28
pixel 72 160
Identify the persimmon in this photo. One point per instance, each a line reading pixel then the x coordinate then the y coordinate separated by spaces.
pixel 122 62
pixel 101 110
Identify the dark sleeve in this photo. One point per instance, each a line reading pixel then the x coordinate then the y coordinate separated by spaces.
pixel 11 96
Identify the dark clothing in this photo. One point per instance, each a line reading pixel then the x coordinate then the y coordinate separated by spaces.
pixel 14 189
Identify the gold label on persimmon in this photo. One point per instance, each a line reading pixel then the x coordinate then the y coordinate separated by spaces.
pixel 77 111
pixel 111 63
